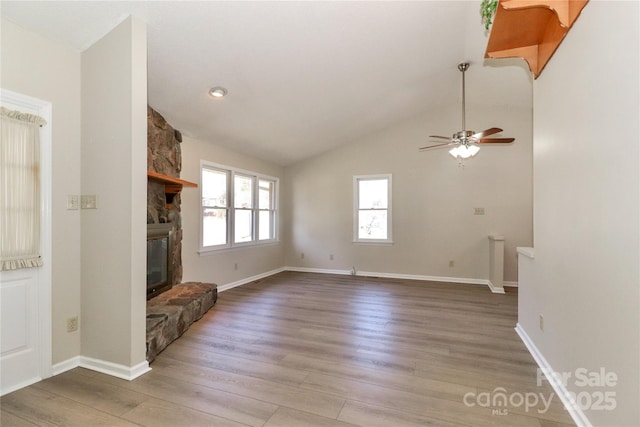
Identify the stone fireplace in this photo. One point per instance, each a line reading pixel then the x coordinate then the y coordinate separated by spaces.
pixel 163 215
pixel 172 306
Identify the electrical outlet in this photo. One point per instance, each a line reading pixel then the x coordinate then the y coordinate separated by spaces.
pixel 452 263
pixel 235 266
pixel 330 257
pixel 301 255
pixel 541 322
pixel 72 324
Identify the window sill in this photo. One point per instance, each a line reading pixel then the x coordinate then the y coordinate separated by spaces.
pixel 373 242
pixel 207 252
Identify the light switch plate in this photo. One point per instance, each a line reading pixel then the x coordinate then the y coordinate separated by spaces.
pixel 73 202
pixel 89 202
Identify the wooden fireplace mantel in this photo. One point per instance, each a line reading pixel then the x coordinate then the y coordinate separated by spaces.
pixel 172 186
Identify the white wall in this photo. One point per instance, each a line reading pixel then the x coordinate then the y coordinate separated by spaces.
pixel 433 198
pixel 585 278
pixel 38 67
pixel 219 268
pixel 114 135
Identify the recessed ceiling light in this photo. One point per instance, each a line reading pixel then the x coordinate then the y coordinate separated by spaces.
pixel 217 92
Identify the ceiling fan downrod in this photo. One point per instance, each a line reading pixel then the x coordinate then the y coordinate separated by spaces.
pixel 463 66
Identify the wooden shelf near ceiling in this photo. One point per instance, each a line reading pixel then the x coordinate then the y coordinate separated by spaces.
pixel 531 29
pixel 172 186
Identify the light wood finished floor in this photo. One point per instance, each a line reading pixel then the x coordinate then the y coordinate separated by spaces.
pixel 302 349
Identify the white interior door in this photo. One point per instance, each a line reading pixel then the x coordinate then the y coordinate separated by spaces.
pixel 25 294
pixel 20 357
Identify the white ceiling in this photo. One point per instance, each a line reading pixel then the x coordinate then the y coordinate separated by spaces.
pixel 303 77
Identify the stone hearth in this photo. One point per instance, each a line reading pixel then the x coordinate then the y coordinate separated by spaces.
pixel 171 313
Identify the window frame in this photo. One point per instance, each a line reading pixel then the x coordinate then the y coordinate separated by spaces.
pixel 356 208
pixel 256 177
pixel 233 209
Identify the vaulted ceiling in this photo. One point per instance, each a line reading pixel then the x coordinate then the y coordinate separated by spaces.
pixel 303 77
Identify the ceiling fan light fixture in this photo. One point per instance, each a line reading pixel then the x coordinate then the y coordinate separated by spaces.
pixel 218 92
pixel 464 151
pixel 473 150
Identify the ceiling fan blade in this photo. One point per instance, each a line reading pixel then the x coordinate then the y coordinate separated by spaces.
pixel 495 140
pixel 436 146
pixel 486 132
pixel 440 137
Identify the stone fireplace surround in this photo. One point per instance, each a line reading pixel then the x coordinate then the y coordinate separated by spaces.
pixel 170 313
pixel 164 156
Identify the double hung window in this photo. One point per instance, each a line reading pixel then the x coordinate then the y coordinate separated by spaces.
pixel 238 207
pixel 372 209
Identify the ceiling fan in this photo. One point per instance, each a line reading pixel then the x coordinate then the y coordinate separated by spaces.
pixel 465 142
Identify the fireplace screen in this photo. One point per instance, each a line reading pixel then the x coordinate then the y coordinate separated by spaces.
pixel 157 261
pixel 159 256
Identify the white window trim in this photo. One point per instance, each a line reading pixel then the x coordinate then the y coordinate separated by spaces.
pixel 230 245
pixel 356 189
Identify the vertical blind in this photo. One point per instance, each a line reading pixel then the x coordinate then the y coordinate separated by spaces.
pixel 19 189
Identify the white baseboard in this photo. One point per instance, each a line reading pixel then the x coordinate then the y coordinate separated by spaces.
pixel 244 281
pixel 508 284
pixel 65 365
pixel 114 369
pixel 317 270
pixel 446 279
pixel 15 387
pixel 495 289
pixel 574 410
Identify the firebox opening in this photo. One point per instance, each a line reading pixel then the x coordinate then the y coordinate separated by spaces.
pixel 159 258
